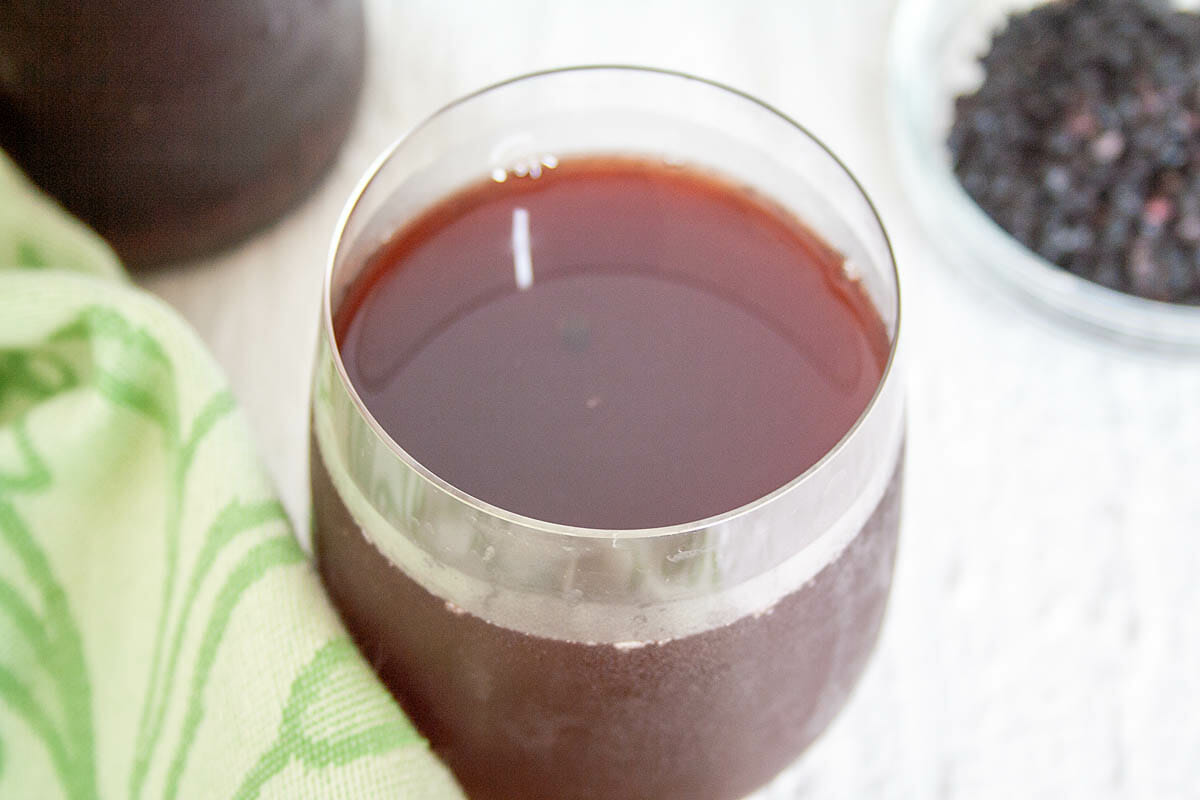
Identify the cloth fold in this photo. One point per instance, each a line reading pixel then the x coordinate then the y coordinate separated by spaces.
pixel 162 634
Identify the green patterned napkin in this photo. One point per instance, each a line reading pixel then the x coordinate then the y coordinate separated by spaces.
pixel 161 633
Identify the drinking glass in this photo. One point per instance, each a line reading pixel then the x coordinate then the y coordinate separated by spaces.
pixel 548 661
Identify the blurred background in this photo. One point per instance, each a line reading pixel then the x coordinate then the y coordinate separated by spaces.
pixel 1043 637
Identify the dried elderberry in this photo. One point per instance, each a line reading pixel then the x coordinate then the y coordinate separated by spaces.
pixel 1084 141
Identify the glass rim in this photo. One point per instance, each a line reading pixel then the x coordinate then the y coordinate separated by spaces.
pixel 499 512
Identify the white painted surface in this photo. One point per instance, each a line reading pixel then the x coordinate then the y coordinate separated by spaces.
pixel 1044 635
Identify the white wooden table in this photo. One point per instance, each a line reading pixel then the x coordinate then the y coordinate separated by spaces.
pixel 1043 639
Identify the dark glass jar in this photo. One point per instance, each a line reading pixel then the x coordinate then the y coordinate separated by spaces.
pixel 175 128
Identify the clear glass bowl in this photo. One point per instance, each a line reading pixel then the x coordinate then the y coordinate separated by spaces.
pixel 933 58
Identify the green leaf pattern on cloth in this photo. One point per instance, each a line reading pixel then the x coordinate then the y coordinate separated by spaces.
pixel 162 634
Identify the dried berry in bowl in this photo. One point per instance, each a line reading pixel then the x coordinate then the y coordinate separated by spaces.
pixel 1083 141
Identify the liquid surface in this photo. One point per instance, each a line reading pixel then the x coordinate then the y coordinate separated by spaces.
pixel 665 348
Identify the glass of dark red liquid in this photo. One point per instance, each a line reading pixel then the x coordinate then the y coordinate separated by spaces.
pixel 608 435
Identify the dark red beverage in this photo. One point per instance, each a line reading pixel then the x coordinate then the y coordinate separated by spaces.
pixel 616 344
pixel 682 348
